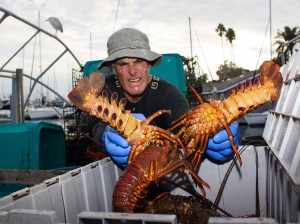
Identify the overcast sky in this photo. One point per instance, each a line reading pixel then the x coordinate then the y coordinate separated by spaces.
pixel 88 24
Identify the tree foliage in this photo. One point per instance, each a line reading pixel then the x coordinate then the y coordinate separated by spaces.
pixel 228 70
pixel 190 74
pixel 221 30
pixel 230 36
pixel 283 36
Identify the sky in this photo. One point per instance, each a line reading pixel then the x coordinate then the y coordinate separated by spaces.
pixel 88 24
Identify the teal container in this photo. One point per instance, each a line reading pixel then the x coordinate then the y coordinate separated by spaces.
pixel 170 69
pixel 32 145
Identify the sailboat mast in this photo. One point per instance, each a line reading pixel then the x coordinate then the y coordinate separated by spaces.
pixel 90 46
pixel 270 9
pixel 191 37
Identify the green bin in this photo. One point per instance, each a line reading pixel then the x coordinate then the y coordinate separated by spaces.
pixel 31 146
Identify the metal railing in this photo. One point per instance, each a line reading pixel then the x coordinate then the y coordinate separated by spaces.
pixel 38 30
pixel 285 44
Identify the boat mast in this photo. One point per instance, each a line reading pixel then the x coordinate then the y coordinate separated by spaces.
pixel 191 37
pixel 270 11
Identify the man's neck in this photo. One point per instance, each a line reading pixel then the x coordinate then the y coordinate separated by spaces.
pixel 133 99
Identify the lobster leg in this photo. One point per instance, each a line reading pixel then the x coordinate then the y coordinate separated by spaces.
pixel 179 121
pixel 183 163
pixel 230 136
pixel 156 114
pixel 197 95
pixel 155 134
pixel 200 151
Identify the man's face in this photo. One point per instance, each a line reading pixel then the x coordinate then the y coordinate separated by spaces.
pixel 133 75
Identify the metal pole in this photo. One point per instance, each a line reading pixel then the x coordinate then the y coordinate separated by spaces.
pixel 270 8
pixel 19 73
pixel 14 101
pixel 36 80
pixel 191 37
pixel 31 90
pixel 19 50
pixel 285 44
pixel 8 13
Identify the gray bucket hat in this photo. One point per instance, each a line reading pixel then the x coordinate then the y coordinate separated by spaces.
pixel 128 42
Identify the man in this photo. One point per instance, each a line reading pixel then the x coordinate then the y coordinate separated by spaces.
pixel 129 60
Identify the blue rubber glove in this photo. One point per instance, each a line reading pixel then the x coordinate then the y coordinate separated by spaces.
pixel 116 145
pixel 219 147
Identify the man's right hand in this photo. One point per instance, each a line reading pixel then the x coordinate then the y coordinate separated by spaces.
pixel 116 145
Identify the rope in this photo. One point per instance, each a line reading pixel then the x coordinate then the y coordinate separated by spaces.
pixel 116 15
pixel 202 53
pixel 261 49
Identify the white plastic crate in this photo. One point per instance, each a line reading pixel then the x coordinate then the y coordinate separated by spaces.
pixel 282 133
pixel 73 196
pixel 113 218
pixel 88 188
pixel 242 221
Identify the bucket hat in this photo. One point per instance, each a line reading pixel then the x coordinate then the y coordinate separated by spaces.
pixel 128 42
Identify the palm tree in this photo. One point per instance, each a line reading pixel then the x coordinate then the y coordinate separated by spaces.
pixel 230 35
pixel 221 30
pixel 282 37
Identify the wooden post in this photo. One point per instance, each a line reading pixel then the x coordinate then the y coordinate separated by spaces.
pixel 17 99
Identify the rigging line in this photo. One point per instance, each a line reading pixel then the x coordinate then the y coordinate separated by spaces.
pixel 199 67
pixel 202 53
pixel 261 49
pixel 116 15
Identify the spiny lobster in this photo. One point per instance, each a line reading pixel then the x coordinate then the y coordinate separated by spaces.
pixel 147 167
pixel 142 136
pixel 87 97
pixel 154 150
pixel 205 120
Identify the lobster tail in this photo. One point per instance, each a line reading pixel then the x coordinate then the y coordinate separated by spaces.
pixel 77 97
pixel 97 81
pixel 249 96
pixel 130 188
pixel 271 78
pixel 87 88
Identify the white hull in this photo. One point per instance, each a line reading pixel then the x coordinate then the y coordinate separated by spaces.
pixel 256 118
pixel 42 113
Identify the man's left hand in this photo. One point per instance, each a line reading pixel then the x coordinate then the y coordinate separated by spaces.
pixel 219 147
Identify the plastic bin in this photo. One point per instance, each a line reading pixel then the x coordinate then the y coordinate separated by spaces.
pixel 89 189
pixel 34 145
pixel 282 133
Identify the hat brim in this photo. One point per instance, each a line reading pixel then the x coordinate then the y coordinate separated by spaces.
pixel 150 56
